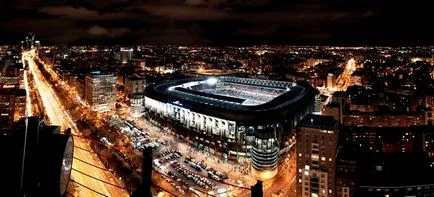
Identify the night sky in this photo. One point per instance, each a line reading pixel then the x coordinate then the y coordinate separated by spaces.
pixel 219 22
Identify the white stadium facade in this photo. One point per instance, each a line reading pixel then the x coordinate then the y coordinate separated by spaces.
pixel 242 119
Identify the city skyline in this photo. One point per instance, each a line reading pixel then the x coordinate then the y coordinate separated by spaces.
pixel 218 98
pixel 225 121
pixel 218 22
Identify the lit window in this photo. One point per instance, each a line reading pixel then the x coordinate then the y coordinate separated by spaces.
pixel 330 191
pixel 330 159
pixel 306 167
pixel 300 170
pixel 323 158
pixel 306 173
pixel 299 180
pixel 299 154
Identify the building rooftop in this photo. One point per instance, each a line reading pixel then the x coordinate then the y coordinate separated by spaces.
pixel 136 76
pixel 98 73
pixel 293 99
pixel 318 122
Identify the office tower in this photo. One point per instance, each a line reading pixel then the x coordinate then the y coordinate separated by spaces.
pixel 126 54
pixel 37 44
pixel 100 91
pixel 134 89
pixel 137 105
pixel 135 84
pixel 30 41
pixel 317 138
pixel 12 107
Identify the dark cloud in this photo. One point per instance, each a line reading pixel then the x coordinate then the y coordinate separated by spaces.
pixel 219 21
pixel 101 31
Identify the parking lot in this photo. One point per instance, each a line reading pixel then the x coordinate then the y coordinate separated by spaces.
pixel 187 174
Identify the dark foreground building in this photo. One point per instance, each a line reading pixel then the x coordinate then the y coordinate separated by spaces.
pixel 36 160
pixel 385 174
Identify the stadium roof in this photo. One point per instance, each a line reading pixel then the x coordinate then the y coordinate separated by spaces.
pixel 294 100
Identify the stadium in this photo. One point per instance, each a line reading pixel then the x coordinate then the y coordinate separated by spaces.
pixel 241 119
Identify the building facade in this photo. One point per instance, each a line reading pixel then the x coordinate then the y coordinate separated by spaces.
pixel 126 54
pixel 11 75
pixel 135 84
pixel 137 107
pixel 100 91
pixel 388 120
pixel 331 81
pixel 237 129
pixel 317 138
pixel 12 107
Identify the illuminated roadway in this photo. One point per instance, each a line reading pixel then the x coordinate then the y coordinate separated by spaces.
pixel 344 79
pixel 58 116
pixel 26 87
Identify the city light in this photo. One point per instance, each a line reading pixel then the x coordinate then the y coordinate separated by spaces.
pixel 58 116
pixel 211 81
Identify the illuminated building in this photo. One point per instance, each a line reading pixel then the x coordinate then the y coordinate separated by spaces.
pixel 12 107
pixel 135 87
pixel 390 139
pixel 136 105
pixel 125 55
pixel 37 44
pixel 11 75
pixel 30 41
pixel 388 119
pixel 317 138
pixel 238 118
pixel 135 84
pixel 331 81
pixel 100 91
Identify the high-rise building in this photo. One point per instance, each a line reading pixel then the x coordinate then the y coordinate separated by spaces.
pixel 137 106
pixel 30 41
pixel 317 138
pixel 135 84
pixel 331 81
pixel 100 91
pixel 126 54
pixel 134 88
pixel 37 44
pixel 12 107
